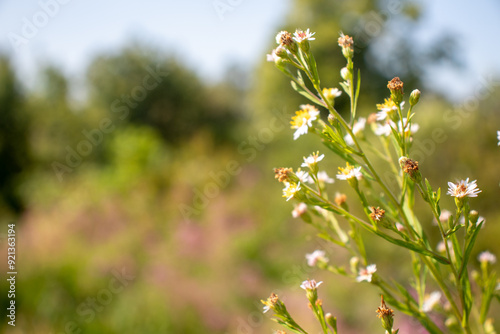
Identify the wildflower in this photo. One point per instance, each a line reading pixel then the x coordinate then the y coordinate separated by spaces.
pixel 290 190
pixel 410 167
pixel 302 175
pixel 409 128
pixel 310 284
pixel 330 94
pixel 346 43
pixel 303 118
pixel 349 172
pixel 271 302
pixel 312 162
pixel 430 301
pixel 377 213
pixel 387 108
pixel 498 137
pixel 314 257
pixel 284 38
pixel 386 315
pixel 414 97
pixel 282 174
pixel 396 88
pixel 444 216
pixel 324 178
pixel 487 257
pixel 300 36
pixel 367 273
pixel 272 57
pixel 299 210
pixel 340 199
pixel 463 189
pixel 332 321
pixel 383 130
pixel 357 128
pixel 400 227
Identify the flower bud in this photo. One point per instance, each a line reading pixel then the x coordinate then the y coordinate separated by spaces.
pixel 332 321
pixel 473 217
pixel 396 88
pixel 346 43
pixel 344 73
pixel 414 97
pixel 386 315
pixel 353 264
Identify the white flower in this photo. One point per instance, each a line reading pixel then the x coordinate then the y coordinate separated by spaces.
pixel 314 257
pixel 290 190
pixel 272 57
pixel 300 35
pixel 413 128
pixel 303 118
pixel 331 93
pixel 280 35
pixel 323 177
pixel 357 128
pixel 366 274
pixel 430 301
pixel 498 137
pixel 463 189
pixel 266 308
pixel 349 172
pixel 299 210
pixel 383 130
pixel 310 284
pixel 312 159
pixel 302 175
pixel 486 257
pixel 400 227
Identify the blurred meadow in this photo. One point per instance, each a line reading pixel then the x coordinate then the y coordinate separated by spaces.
pixel 140 174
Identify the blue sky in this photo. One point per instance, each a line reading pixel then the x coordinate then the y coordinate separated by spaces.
pixel 208 39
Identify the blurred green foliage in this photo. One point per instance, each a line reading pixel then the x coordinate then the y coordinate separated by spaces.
pixel 161 139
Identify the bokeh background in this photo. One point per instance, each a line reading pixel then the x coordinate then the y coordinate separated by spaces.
pixel 137 141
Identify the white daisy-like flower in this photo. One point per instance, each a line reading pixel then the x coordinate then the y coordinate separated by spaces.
pixel 430 301
pixel 303 176
pixel 463 189
pixel 310 284
pixel 413 128
pixel 349 172
pixel 366 273
pixel 290 190
pixel 357 128
pixel 383 130
pixel 300 35
pixel 498 137
pixel 387 108
pixel 487 257
pixel 312 160
pixel 272 57
pixel 323 177
pixel 299 210
pixel 303 118
pixel 314 257
pixel 331 93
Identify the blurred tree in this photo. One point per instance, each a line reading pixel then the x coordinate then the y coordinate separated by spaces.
pixel 142 86
pixel 14 151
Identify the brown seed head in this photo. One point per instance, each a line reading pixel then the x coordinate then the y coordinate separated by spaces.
pixel 377 213
pixel 286 39
pixel 273 298
pixel 384 311
pixel 410 166
pixel 395 85
pixel 282 174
